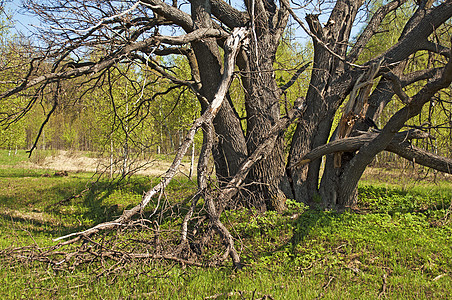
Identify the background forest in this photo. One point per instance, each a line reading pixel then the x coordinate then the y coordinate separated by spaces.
pixel 89 118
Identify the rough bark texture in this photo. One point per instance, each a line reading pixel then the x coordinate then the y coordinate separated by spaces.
pixel 324 96
pixel 417 29
pixel 262 106
pixel 229 148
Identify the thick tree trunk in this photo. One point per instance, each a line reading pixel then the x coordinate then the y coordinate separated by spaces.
pixel 263 111
pixel 326 92
pixel 229 147
pixel 262 105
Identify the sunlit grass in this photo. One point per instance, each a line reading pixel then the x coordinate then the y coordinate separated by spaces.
pixel 397 245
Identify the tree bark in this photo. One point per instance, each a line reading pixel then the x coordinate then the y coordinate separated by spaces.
pixel 262 105
pixel 323 97
pixel 338 185
pixel 229 146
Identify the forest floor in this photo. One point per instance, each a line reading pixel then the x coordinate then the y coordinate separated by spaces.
pixel 397 245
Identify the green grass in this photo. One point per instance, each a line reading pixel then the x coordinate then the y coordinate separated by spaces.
pixel 9 158
pixel 398 241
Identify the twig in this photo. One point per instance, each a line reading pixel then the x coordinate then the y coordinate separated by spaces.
pixel 383 287
pixel 233 293
pixel 231 46
pixel 316 38
pixel 325 287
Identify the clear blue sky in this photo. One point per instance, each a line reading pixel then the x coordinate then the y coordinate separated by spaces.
pixel 25 23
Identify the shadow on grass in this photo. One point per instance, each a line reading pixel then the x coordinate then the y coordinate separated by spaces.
pixel 23 173
pixel 57 205
pixel 61 205
pixel 308 220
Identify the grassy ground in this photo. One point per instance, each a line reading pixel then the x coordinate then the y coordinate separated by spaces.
pixel 396 246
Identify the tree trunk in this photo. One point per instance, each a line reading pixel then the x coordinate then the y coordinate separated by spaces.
pixel 262 105
pixel 338 186
pixel 229 146
pixel 329 85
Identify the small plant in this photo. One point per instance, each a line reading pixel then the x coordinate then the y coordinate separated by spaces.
pixel 295 205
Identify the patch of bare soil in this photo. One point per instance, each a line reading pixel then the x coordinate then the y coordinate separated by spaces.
pixel 77 162
pixel 68 161
pixel 34 216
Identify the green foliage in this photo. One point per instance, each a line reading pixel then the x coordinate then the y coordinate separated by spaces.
pixel 399 238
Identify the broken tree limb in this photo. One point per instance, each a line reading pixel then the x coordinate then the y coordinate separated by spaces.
pixel 356 107
pixel 232 45
pixel 354 143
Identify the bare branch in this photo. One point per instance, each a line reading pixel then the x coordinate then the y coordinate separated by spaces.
pixel 413 40
pixel 101 22
pixel 436 48
pixel 351 144
pixel 171 13
pixel 397 87
pixel 407 79
pixel 422 157
pixel 232 44
pixel 192 36
pixel 52 110
pixel 372 27
pixel 90 68
pixel 294 78
pixel 314 36
pixel 228 15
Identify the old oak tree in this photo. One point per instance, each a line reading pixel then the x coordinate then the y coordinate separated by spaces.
pixel 83 41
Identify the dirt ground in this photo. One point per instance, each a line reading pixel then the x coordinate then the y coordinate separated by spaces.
pixel 77 162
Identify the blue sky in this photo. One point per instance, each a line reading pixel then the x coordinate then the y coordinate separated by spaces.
pixel 23 23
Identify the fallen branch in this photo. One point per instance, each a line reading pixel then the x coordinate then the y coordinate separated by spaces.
pixel 232 45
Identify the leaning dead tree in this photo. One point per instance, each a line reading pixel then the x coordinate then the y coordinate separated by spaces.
pixel 84 40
